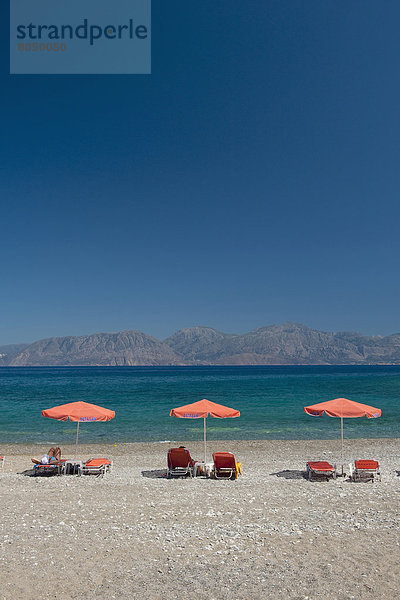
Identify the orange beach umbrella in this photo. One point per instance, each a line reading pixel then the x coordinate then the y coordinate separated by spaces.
pixel 343 408
pixel 201 410
pixel 81 412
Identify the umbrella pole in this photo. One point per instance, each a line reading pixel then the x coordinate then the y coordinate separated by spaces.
pixel 205 443
pixel 77 438
pixel 341 430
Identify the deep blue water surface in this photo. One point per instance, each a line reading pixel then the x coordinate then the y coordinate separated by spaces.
pixel 271 401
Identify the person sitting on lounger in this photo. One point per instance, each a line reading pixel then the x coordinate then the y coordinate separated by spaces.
pixel 53 456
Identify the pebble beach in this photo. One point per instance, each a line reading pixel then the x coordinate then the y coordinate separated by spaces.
pixel 137 534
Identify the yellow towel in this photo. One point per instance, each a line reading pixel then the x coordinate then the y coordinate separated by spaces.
pixel 238 469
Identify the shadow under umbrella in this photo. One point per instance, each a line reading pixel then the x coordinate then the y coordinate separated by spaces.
pixel 291 474
pixel 155 474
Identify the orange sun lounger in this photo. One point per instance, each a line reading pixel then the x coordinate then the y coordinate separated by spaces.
pixel 96 466
pixel 365 470
pixel 179 462
pixel 225 466
pixel 52 468
pixel 320 469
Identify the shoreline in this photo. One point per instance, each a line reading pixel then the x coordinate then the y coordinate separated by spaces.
pixel 202 365
pixel 222 441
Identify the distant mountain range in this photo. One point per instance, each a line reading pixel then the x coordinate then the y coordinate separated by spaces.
pixel 287 344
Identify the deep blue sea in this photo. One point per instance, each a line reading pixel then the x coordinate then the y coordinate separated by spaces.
pixel 271 401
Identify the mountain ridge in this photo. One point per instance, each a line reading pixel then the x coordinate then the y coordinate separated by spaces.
pixel 125 348
pixel 285 344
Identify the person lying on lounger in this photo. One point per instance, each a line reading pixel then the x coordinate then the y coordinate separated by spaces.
pixel 53 456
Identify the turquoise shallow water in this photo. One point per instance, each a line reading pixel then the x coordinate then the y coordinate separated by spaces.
pixel 271 401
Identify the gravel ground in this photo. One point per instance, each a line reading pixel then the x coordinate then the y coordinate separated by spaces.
pixel 135 534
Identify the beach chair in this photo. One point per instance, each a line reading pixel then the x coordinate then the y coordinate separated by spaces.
pixel 320 469
pixel 365 470
pixel 225 466
pixel 50 463
pixel 179 463
pixel 53 468
pixel 96 466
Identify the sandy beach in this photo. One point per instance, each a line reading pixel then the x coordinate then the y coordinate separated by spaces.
pixel 135 534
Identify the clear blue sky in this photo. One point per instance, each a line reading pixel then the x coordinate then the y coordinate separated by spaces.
pixel 252 179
